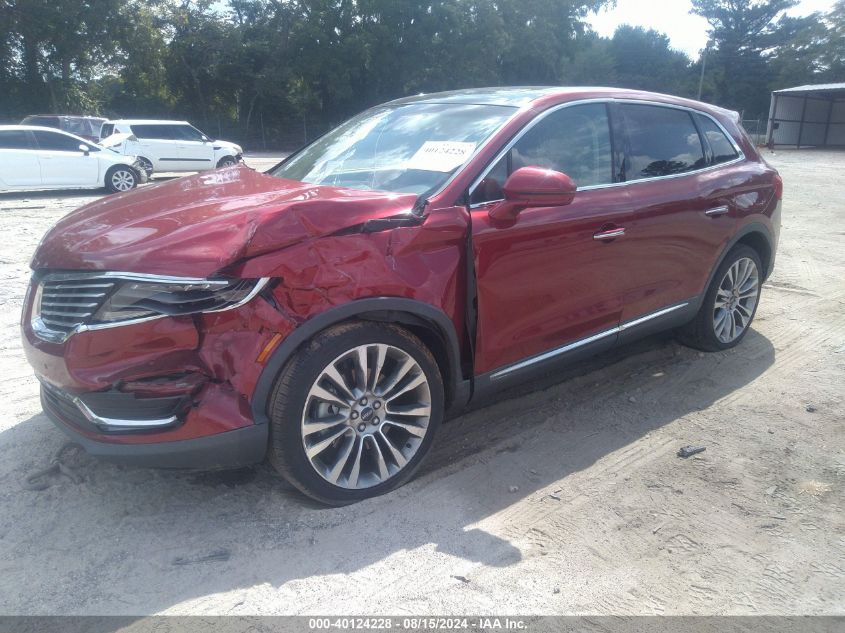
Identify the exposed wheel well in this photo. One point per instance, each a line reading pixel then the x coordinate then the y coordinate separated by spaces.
pixel 759 243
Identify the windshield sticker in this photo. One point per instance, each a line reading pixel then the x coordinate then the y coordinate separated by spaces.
pixel 440 156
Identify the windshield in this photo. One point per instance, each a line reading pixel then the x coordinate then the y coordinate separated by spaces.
pixel 403 149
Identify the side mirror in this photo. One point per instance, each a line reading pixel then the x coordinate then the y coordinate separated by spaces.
pixel 533 187
pixel 205 139
pixel 84 149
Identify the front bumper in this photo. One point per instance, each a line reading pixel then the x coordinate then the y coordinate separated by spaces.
pixel 173 392
pixel 231 449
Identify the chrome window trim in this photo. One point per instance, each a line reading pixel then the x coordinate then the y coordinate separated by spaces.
pixel 42 331
pixel 607 100
pixel 501 373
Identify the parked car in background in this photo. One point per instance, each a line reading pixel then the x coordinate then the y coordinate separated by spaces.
pixel 430 252
pixel 33 157
pixel 88 127
pixel 168 145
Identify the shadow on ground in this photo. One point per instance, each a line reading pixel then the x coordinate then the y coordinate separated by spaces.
pixel 142 541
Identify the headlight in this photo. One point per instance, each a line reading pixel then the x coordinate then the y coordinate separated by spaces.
pixel 138 299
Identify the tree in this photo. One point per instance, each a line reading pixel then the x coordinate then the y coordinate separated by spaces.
pixel 743 36
pixel 644 59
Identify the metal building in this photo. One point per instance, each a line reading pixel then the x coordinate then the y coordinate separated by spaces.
pixel 807 116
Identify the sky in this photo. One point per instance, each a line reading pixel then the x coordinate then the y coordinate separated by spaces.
pixel 686 32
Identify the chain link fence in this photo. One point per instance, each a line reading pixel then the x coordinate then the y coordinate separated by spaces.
pixel 756 129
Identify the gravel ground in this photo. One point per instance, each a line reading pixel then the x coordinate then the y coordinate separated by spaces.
pixel 565 500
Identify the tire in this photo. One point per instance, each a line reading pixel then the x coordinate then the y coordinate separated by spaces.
pixel 710 331
pixel 120 178
pixel 227 161
pixel 148 166
pixel 303 391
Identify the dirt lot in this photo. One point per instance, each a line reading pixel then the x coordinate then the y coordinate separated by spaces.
pixel 567 499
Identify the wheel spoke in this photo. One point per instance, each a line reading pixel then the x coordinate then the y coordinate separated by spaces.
pixel 400 373
pixel 750 274
pixel 413 429
pixel 415 382
pixel 381 354
pixel 383 473
pixel 314 426
pixel 334 375
pixel 413 409
pixel 327 396
pixel 398 457
pixel 748 284
pixel 342 458
pixel 355 473
pixel 743 314
pixel 739 277
pixel 721 323
pixel 319 447
pixel 363 382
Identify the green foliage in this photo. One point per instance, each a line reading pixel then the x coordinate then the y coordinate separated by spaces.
pixel 271 72
pixel 755 49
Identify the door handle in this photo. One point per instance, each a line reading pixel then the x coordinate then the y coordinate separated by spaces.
pixel 715 211
pixel 609 234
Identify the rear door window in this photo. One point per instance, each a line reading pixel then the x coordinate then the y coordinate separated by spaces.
pixel 154 131
pixel 186 133
pixel 15 139
pixel 53 141
pixel 723 150
pixel 106 130
pixel 662 141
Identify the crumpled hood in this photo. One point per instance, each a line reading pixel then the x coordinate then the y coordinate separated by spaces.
pixel 196 225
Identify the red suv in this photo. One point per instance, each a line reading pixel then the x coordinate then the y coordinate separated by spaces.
pixel 329 313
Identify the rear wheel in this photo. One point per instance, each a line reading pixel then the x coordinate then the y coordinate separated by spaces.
pixel 730 303
pixel 121 178
pixel 354 412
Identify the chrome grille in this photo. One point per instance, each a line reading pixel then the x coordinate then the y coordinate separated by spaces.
pixel 66 303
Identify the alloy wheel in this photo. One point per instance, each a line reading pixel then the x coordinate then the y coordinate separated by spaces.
pixel 365 416
pixel 122 180
pixel 736 299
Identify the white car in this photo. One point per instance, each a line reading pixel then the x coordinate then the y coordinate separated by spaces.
pixel 168 145
pixel 33 157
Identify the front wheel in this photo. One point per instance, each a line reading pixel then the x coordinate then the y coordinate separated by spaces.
pixel 354 412
pixel 730 303
pixel 227 161
pixel 121 178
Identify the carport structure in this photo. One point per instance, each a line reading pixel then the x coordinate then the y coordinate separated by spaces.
pixel 807 116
